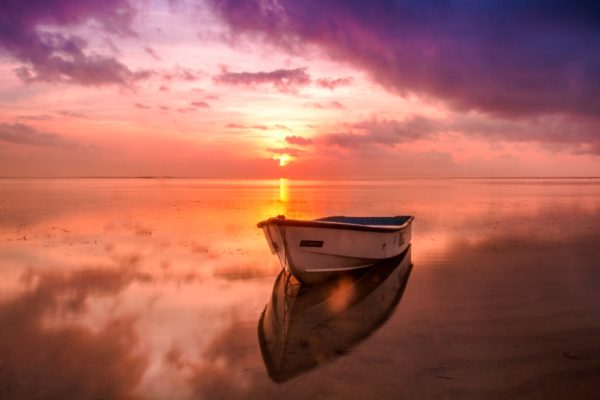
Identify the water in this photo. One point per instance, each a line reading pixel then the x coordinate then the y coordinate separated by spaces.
pixel 153 289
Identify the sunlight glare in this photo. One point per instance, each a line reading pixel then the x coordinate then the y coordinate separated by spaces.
pixel 284 159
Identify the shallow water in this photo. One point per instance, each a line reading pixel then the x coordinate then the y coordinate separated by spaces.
pixel 153 289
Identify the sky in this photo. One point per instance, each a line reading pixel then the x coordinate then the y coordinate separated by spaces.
pixel 288 88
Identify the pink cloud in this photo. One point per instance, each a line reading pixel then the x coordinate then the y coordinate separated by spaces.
pixel 72 114
pixel 298 140
pixel 200 104
pixel 322 106
pixel 151 52
pixel 331 84
pixel 22 134
pixel 284 80
pixel 182 74
pixel 280 127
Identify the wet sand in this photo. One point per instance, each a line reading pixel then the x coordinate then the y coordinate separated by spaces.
pixel 153 289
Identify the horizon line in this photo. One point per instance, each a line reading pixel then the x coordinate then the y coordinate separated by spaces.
pixel 299 178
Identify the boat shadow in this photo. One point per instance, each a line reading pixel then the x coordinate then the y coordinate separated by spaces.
pixel 303 326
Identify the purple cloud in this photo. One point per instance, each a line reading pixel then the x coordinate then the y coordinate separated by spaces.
pixel 51 56
pixel 284 80
pixel 507 58
pixel 331 84
pixel 576 135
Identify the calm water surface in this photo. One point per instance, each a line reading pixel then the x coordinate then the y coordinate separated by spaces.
pixel 154 289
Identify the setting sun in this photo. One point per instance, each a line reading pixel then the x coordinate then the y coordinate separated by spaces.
pixel 284 159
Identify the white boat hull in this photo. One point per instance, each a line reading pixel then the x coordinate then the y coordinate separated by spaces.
pixel 309 252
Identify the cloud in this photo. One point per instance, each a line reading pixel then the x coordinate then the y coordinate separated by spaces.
pixel 182 74
pixel 387 132
pixel 284 80
pixel 72 114
pixel 151 52
pixel 576 135
pixel 187 109
pixel 200 104
pixel 58 57
pixel 503 58
pixel 36 117
pixel 330 105
pixel 141 106
pixel 279 127
pixel 331 84
pixel 291 151
pixel 298 140
pixel 22 134
pixel 69 359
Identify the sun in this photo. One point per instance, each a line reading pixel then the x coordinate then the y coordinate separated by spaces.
pixel 284 159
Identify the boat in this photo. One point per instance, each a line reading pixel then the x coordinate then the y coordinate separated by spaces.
pixel 314 250
pixel 302 327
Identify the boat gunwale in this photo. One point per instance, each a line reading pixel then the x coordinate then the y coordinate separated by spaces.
pixel 277 221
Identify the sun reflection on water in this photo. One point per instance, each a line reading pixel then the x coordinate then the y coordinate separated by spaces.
pixel 284 190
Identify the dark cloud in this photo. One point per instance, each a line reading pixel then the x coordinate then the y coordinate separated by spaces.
pixel 26 135
pixel 508 58
pixel 331 84
pixel 284 80
pixel 141 106
pixel 52 56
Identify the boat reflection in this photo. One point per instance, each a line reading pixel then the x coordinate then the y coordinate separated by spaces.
pixel 304 326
